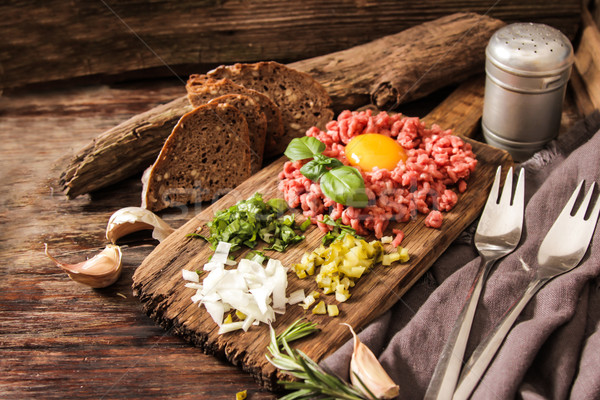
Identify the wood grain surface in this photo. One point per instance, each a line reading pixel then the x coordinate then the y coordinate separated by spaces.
pixel 106 40
pixel 159 285
pixel 60 339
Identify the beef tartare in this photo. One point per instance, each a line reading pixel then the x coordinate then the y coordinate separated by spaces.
pixel 434 166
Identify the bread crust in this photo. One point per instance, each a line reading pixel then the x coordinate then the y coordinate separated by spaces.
pixel 201 89
pixel 207 155
pixel 302 100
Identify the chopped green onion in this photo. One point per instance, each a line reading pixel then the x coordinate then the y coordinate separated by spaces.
pixel 251 220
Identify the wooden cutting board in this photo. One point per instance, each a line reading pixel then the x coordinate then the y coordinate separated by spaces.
pixel 160 288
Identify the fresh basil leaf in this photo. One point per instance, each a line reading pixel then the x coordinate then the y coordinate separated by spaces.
pixel 328 162
pixel 313 170
pixel 345 185
pixel 304 147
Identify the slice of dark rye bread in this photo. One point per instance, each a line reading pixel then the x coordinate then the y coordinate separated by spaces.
pixel 201 89
pixel 206 156
pixel 257 124
pixel 303 101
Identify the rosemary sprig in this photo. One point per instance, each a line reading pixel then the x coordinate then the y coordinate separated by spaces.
pixel 314 382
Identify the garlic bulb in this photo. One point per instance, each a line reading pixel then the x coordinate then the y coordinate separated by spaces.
pixel 364 365
pixel 133 219
pixel 100 271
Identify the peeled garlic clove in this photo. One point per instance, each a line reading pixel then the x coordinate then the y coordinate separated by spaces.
pixel 364 365
pixel 100 271
pixel 133 219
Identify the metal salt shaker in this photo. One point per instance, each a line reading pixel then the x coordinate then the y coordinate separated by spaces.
pixel 527 69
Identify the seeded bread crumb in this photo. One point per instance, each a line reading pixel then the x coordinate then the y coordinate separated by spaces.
pixel 207 155
pixel 257 124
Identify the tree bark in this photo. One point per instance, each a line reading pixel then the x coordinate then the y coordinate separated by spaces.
pixel 412 64
pixel 388 71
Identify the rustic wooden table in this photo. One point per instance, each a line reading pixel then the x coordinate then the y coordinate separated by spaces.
pixel 59 339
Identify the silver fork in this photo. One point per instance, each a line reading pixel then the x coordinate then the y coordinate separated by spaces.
pixel 561 250
pixel 498 233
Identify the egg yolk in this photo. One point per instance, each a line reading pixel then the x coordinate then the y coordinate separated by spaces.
pixel 372 150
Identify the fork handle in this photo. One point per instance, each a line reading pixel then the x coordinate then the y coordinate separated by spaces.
pixel 446 372
pixel 484 353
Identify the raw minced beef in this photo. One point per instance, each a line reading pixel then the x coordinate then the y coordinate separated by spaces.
pixel 438 164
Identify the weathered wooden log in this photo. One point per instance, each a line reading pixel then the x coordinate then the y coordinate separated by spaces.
pixel 123 150
pixel 399 68
pixel 390 70
pixel 62 39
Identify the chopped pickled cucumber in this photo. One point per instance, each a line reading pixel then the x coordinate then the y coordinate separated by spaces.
pixel 343 262
pixel 332 310
pixel 241 395
pixel 320 308
pixel 241 316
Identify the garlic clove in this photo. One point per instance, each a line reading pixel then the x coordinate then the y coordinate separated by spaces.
pixel 364 365
pixel 100 271
pixel 134 219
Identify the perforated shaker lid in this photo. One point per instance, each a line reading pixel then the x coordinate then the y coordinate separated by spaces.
pixel 530 49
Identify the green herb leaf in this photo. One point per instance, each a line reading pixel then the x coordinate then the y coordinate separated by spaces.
pixel 278 205
pixel 256 255
pixel 304 147
pixel 329 162
pixel 313 170
pixel 314 382
pixel 196 236
pixel 340 183
pixel 304 226
pixel 339 230
pixel 250 220
pixel 345 185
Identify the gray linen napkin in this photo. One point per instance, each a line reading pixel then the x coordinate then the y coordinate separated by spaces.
pixel 552 350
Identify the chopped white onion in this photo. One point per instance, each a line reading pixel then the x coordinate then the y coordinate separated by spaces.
pixel 212 297
pixel 262 297
pixel 191 276
pixel 256 291
pixel 193 285
pixel 211 265
pixel 247 323
pixel 279 288
pixel 221 253
pixel 296 296
pixel 197 297
pixel 216 310
pixel 230 327
pixel 272 265
pixel 386 239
